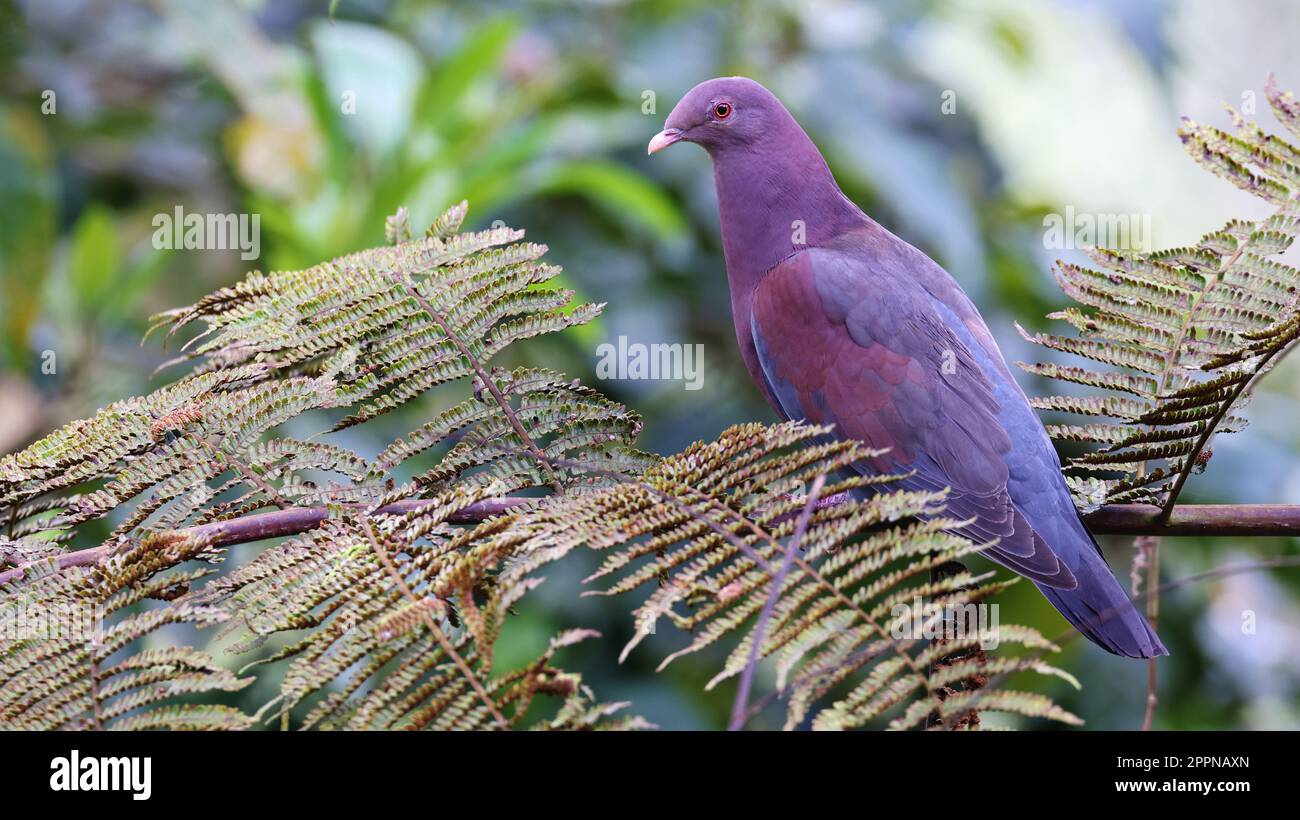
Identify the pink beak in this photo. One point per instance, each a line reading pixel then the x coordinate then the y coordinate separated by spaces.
pixel 663 139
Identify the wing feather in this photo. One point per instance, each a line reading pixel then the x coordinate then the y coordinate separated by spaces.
pixel 877 358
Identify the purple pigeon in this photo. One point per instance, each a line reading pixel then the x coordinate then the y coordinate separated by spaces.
pixel 841 322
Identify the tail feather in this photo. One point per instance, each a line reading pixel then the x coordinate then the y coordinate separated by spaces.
pixel 1099 609
pixel 1095 603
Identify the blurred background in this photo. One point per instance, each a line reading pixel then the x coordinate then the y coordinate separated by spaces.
pixel 958 125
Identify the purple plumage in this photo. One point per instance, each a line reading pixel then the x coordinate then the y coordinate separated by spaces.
pixel 841 322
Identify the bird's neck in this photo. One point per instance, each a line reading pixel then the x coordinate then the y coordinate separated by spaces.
pixel 774 203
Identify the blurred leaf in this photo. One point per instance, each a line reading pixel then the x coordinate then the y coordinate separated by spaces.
pixel 290 246
pixel 21 412
pixel 134 280
pixel 1006 33
pixel 329 116
pixel 94 257
pixel 440 135
pixel 444 88
pixel 625 194
pixel 26 227
pixel 376 74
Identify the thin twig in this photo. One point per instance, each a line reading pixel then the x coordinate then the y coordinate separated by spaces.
pixel 1149 716
pixel 740 709
pixel 1070 634
pixel 1149 556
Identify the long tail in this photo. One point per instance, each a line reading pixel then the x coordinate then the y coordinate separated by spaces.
pixel 1099 608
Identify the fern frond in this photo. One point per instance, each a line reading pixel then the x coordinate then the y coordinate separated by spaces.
pixel 369 332
pixel 394 617
pixel 400 615
pixel 572 424
pixel 62 634
pixel 1184 332
pixel 705 530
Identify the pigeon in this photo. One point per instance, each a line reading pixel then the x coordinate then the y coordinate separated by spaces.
pixel 842 323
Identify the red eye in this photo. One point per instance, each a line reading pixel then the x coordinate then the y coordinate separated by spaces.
pixel 722 110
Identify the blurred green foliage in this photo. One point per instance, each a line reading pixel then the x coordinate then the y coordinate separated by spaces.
pixel 324 117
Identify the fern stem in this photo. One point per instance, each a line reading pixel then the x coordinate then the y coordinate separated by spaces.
pixel 277 524
pixel 1149 546
pixel 899 647
pixel 484 377
pixel 740 709
pixel 247 472
pixel 96 708
pixel 1190 459
pixel 1183 474
pixel 970 719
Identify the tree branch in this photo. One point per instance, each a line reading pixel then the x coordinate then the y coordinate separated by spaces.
pixel 1196 519
pixel 1113 519
pixel 279 523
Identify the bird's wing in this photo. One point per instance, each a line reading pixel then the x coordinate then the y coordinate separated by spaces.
pixel 857 339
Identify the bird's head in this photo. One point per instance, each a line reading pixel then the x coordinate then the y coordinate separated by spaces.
pixel 729 112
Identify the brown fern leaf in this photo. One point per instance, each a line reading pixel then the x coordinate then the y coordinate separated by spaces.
pixel 394 619
pixel 413 598
pixel 368 332
pixel 62 636
pixel 705 530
